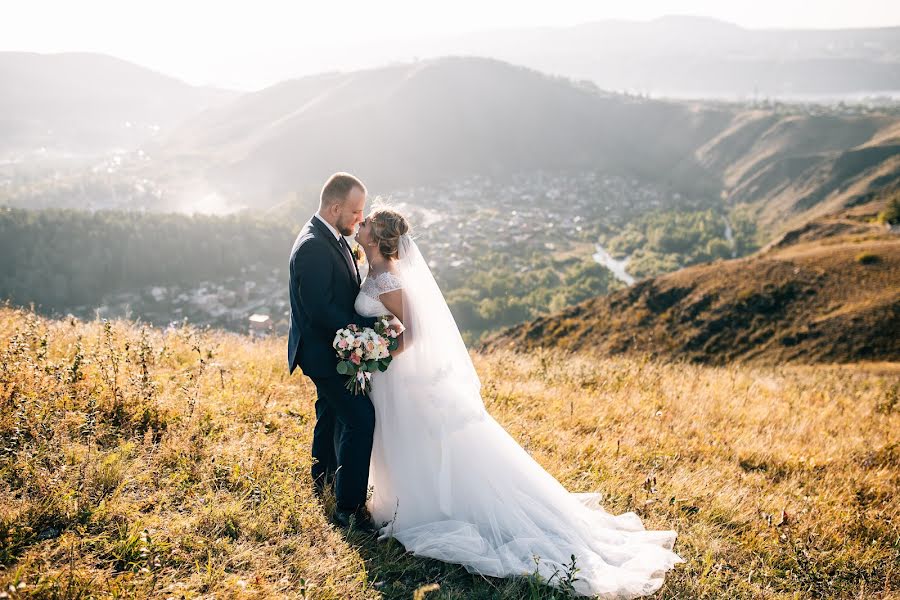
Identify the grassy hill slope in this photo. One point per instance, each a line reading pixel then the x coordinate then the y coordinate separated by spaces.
pixel 792 168
pixel 827 292
pixel 154 464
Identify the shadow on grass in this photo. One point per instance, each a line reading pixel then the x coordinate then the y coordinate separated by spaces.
pixel 397 574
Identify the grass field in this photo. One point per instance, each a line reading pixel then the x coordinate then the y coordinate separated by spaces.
pixel 146 463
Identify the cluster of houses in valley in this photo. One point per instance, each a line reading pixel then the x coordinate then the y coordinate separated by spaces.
pixel 539 211
pixel 257 306
pixel 454 224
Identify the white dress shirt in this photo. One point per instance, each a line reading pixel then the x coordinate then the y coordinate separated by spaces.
pixel 333 231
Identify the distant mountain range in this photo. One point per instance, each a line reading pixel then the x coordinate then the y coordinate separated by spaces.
pixel 684 56
pixel 826 292
pixel 436 120
pixel 431 120
pixel 673 56
pixel 82 102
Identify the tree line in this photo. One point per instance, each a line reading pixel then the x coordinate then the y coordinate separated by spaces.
pixel 59 258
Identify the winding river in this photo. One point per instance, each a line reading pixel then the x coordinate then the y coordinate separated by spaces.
pixel 617 267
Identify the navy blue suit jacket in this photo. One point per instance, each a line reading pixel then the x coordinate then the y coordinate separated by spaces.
pixel 323 289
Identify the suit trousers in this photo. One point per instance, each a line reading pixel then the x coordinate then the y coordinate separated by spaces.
pixel 342 440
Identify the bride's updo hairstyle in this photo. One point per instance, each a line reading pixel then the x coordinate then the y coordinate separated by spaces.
pixel 387 227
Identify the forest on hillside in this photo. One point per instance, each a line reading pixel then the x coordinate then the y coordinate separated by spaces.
pixel 59 259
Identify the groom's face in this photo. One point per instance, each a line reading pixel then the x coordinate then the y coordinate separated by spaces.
pixel 350 211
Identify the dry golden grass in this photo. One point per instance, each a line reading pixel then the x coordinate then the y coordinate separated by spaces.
pixel 144 463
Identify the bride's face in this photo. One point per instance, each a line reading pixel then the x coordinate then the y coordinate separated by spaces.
pixel 364 234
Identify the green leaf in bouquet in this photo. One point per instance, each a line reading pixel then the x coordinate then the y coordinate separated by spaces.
pixel 344 367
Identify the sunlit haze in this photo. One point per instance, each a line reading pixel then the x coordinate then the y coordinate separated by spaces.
pixel 250 45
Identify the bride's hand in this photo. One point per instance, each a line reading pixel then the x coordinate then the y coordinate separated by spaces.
pixel 394 325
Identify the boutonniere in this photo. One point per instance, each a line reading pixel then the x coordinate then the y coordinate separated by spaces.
pixel 358 255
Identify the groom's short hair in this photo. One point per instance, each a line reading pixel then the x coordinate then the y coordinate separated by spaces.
pixel 337 187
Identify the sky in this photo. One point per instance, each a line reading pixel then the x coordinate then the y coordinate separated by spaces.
pixel 246 45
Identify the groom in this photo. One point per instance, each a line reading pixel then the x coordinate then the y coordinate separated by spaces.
pixel 324 282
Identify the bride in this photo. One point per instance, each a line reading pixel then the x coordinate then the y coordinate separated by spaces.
pixel 449 482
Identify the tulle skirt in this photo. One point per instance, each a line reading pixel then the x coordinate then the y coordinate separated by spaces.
pixel 455 486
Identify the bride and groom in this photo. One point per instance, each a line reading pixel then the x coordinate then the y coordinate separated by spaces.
pixel 449 482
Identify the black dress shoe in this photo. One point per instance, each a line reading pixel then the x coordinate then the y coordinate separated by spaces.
pixel 355 520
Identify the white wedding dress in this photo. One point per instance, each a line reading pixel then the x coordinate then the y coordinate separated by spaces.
pixel 453 485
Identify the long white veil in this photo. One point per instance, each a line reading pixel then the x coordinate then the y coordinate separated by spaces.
pixel 433 347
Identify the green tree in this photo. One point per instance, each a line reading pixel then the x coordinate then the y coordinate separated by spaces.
pixel 718 248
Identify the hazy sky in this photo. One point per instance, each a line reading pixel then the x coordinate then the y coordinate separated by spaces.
pixel 237 44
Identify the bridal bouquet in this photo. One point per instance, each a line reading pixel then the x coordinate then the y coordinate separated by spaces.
pixel 363 352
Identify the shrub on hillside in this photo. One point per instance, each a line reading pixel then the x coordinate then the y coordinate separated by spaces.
pixel 867 258
pixel 891 213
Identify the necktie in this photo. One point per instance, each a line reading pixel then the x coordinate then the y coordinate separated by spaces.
pixel 348 255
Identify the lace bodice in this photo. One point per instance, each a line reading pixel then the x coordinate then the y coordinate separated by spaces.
pixel 367 302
